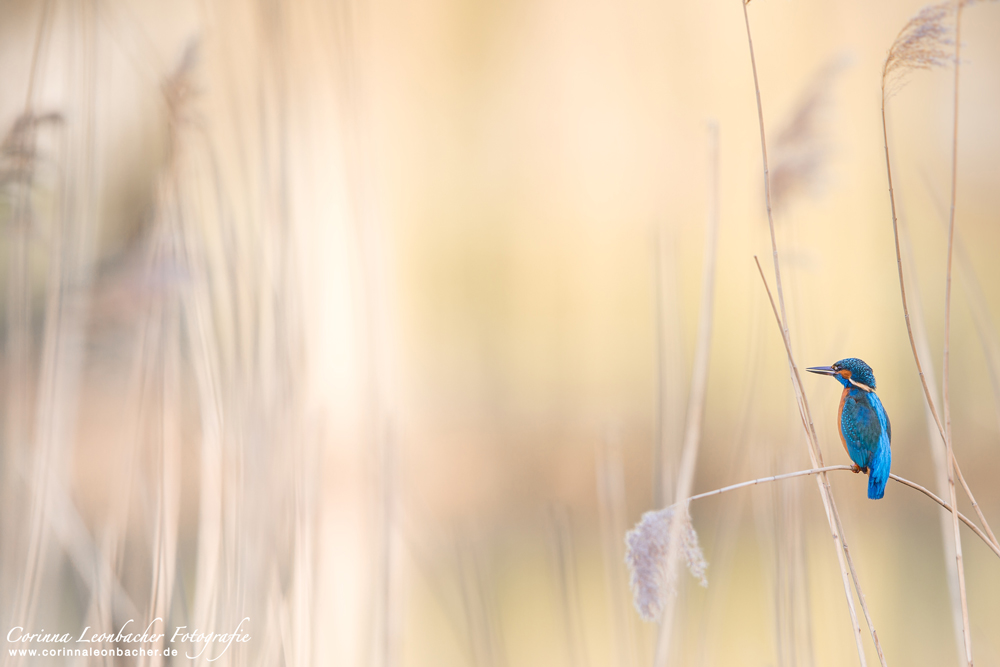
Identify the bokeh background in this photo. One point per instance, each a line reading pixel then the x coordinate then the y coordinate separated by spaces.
pixel 374 322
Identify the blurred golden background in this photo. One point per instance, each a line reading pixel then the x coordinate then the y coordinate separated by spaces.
pixel 374 323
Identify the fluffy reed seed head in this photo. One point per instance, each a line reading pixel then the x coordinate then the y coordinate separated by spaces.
pixel 923 43
pixel 647 549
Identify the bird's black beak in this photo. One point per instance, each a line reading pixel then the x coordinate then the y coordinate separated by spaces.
pixel 822 370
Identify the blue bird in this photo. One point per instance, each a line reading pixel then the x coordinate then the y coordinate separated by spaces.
pixel 864 425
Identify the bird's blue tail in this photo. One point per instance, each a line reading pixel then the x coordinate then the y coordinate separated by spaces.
pixel 878 471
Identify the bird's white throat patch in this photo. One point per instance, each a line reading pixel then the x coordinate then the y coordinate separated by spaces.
pixel 860 386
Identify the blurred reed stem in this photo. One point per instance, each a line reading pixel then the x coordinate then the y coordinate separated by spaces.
pixel 978 303
pixel 696 398
pixel 564 562
pixel 726 530
pixel 70 265
pixel 946 362
pixel 937 453
pixel 670 393
pixel 981 318
pixel 612 521
pixel 480 607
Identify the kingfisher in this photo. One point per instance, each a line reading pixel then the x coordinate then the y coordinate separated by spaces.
pixel 864 425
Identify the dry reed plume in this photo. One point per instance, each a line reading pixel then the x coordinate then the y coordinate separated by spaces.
pixel 650 544
pixel 922 44
pixel 800 150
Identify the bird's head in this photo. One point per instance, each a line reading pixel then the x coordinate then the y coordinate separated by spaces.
pixel 849 372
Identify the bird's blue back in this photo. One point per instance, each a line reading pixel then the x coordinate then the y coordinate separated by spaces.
pixel 867 433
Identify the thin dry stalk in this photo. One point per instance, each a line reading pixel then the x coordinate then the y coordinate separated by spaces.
pixel 205 365
pixel 166 463
pixel 822 471
pixel 767 181
pixel 423 545
pixel 611 506
pixel 981 318
pixel 648 542
pixel 946 365
pixel 927 492
pixel 569 598
pixel 724 541
pixel 699 383
pixel 483 631
pixel 895 231
pixel 893 70
pixel 70 265
pixel 937 453
pixel 202 340
pixel 17 167
pixel 670 393
pixel 920 45
pixel 787 540
pixel 833 516
pixel 816 456
pixel 171 228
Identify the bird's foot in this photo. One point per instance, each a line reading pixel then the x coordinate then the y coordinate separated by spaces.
pixel 855 468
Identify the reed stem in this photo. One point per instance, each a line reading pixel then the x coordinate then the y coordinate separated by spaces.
pixel 815 455
pixel 822 471
pixel 946 364
pixel 699 385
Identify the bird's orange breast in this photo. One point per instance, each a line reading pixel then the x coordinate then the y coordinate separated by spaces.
pixel 840 414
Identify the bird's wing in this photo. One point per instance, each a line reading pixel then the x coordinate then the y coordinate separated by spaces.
pixel 862 426
pixel 880 413
pixel 881 459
